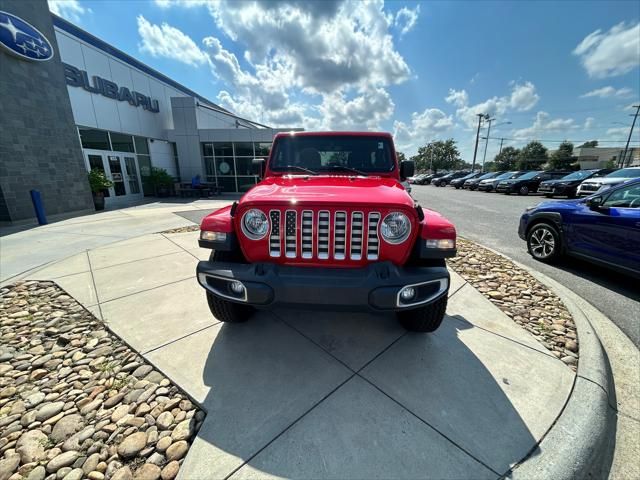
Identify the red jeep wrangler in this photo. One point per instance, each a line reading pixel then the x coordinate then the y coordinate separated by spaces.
pixel 330 225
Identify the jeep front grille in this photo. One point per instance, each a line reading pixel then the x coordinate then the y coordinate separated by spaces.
pixel 320 235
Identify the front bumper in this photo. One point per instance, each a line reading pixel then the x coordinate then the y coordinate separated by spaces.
pixel 375 287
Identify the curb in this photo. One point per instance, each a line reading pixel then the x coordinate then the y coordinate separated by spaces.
pixel 580 443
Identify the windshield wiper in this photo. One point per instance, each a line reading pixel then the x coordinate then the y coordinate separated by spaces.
pixel 299 168
pixel 344 168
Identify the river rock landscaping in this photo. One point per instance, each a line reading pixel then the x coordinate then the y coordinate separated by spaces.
pixel 76 402
pixel 519 295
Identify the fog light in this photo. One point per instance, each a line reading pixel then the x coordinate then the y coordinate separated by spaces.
pixel 407 293
pixel 213 236
pixel 237 287
pixel 443 243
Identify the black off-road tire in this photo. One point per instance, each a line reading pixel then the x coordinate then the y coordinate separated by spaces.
pixel 223 310
pixel 425 319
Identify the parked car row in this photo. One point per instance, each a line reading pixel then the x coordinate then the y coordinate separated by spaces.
pixel 549 183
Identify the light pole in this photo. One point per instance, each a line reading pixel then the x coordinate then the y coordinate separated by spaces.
pixel 475 150
pixel 484 157
pixel 635 116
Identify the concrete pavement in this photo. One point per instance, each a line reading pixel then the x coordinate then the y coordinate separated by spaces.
pixel 322 394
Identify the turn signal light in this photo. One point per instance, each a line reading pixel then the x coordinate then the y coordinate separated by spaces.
pixel 442 243
pixel 213 236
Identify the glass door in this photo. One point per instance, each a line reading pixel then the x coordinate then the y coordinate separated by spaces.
pixel 117 177
pixel 96 163
pixel 132 175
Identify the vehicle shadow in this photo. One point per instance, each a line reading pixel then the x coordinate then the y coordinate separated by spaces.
pixel 284 406
pixel 611 279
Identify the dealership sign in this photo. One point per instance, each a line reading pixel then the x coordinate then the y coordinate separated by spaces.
pixel 79 78
pixel 22 39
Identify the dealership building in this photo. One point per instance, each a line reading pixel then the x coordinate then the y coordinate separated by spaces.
pixel 71 102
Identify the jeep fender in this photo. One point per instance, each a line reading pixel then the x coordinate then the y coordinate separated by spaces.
pixel 220 220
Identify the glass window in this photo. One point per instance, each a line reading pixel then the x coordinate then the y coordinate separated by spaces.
pixel 96 139
pixel 174 149
pixel 207 149
pixel 262 149
pixel 624 198
pixel 210 169
pixel 244 166
pixel 132 175
pixel 228 184
pixel 142 147
pixel 333 154
pixel 121 142
pixel 144 162
pixel 95 163
pixel 245 183
pixel 224 166
pixel 116 176
pixel 223 149
pixel 244 149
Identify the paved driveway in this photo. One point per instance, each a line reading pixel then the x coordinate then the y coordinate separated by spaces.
pixel 320 394
pixel 492 219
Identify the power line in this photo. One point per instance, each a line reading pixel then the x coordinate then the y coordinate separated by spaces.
pixel 560 141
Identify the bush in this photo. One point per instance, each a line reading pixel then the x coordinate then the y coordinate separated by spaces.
pixel 98 181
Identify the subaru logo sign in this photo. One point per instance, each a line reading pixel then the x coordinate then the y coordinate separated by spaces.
pixel 23 39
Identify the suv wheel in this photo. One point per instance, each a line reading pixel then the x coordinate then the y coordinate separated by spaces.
pixel 524 190
pixel 224 310
pixel 543 242
pixel 424 319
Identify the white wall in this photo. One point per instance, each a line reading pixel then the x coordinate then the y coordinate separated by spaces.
pixel 162 156
pixel 97 111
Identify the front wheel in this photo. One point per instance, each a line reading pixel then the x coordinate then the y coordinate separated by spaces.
pixel 543 242
pixel 223 310
pixel 524 190
pixel 424 319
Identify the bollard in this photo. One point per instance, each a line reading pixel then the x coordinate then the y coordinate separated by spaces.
pixel 38 207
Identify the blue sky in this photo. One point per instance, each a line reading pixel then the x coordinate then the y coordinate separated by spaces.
pixel 555 70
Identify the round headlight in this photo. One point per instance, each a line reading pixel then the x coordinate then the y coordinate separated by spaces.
pixel 255 224
pixel 395 227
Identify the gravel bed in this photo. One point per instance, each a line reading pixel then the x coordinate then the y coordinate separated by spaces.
pixel 189 228
pixel 76 402
pixel 519 295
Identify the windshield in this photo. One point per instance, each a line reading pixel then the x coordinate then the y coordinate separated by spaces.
pixel 578 175
pixel 625 173
pixel 487 175
pixel 470 175
pixel 332 153
pixel 528 175
pixel 506 175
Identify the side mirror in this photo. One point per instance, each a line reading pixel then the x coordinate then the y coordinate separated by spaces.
pixel 407 169
pixel 594 203
pixel 259 166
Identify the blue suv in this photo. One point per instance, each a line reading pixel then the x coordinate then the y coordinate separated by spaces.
pixel 603 228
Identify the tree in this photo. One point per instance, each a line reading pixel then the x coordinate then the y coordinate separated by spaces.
pixel 591 144
pixel 507 158
pixel 562 158
pixel 401 156
pixel 532 156
pixel 438 155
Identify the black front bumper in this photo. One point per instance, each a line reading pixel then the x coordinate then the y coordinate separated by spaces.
pixel 375 287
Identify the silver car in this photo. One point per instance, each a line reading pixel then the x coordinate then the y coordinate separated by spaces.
pixel 593 185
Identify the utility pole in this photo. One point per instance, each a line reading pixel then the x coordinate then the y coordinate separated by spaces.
pixel 486 144
pixel 501 142
pixel 431 165
pixel 626 148
pixel 475 151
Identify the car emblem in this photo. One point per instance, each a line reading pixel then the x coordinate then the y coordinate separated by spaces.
pixel 22 39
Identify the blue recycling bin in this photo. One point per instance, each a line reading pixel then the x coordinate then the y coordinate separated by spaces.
pixel 36 199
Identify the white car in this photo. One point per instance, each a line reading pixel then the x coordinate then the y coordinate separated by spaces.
pixel 593 185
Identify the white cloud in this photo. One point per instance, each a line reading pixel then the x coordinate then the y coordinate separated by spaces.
pixel 424 127
pixel 609 91
pixel 607 54
pixel 544 124
pixel 406 19
pixel 69 9
pixel 459 98
pixel 523 97
pixel 336 58
pixel 589 123
pixel 169 42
